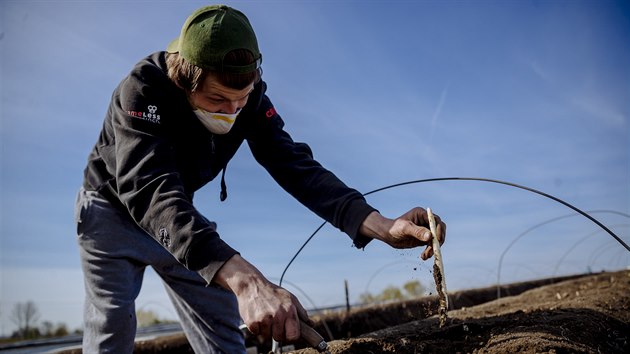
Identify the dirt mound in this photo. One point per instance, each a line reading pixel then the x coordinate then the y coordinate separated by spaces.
pixel 579 314
pixel 586 315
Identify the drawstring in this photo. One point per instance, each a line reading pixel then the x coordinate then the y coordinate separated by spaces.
pixel 223 195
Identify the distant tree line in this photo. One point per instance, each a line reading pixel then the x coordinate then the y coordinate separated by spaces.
pixel 26 315
pixel 410 290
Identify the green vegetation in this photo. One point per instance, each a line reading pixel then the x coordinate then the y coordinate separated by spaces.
pixel 410 290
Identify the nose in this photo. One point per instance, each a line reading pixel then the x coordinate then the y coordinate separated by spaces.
pixel 231 107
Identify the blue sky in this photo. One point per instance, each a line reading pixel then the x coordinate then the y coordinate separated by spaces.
pixel 532 92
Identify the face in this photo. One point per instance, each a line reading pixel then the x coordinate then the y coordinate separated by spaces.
pixel 214 97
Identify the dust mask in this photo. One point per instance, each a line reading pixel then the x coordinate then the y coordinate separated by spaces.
pixel 217 123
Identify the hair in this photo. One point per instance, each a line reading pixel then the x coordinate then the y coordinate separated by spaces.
pixel 188 76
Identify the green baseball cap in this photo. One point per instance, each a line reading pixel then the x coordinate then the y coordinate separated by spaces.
pixel 213 31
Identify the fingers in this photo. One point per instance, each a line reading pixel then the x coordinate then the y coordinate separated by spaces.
pixel 281 320
pixel 293 323
pixel 427 253
pixel 280 328
pixel 441 231
pixel 285 327
pixel 440 227
pixel 301 312
pixel 291 330
pixel 261 328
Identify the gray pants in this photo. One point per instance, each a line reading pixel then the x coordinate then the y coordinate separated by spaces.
pixel 114 253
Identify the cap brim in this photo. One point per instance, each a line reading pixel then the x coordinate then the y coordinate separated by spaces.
pixel 173 47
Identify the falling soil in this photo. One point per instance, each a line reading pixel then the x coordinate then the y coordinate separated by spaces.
pixel 578 314
pixel 437 275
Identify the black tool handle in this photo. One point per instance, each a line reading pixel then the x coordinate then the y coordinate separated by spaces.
pixel 313 338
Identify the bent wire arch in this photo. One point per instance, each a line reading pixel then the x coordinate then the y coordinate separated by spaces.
pixel 561 259
pixel 464 179
pixel 534 228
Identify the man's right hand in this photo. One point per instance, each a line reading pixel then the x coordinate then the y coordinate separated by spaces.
pixel 266 308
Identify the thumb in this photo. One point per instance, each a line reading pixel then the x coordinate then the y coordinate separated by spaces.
pixel 407 228
pixel 421 233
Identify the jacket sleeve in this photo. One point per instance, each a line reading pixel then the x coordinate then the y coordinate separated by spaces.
pixel 293 167
pixel 149 184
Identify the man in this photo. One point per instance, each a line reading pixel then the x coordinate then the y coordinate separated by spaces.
pixel 172 126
